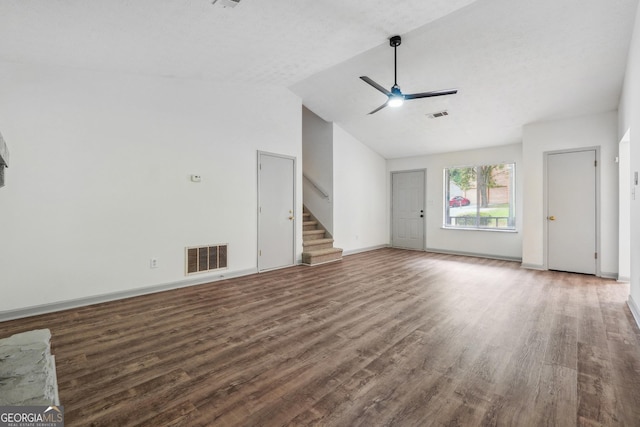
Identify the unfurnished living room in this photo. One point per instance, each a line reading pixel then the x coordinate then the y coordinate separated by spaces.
pixel 292 213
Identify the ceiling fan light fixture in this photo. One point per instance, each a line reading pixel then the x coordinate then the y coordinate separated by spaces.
pixel 395 101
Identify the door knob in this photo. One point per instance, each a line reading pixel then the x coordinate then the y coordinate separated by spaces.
pixel 551 218
pixel 291 218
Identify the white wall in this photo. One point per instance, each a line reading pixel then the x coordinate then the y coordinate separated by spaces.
pixel 486 243
pixel 99 178
pixel 317 155
pixel 599 130
pixel 629 114
pixel 360 203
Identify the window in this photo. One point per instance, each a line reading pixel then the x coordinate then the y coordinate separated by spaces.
pixel 480 197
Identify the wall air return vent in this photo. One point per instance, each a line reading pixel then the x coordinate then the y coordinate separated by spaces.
pixel 438 114
pixel 200 259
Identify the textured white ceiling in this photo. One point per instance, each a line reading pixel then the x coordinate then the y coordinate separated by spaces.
pixel 277 42
pixel 513 61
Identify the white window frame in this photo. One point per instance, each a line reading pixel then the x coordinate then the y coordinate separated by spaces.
pixel 478 223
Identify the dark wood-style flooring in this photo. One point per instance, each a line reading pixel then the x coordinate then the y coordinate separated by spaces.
pixel 388 337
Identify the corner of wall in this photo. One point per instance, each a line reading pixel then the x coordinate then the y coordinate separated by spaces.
pixel 635 310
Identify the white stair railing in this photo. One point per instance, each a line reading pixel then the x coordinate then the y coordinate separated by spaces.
pixel 323 193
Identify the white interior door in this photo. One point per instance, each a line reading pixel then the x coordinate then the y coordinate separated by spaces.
pixel 276 207
pixel 407 211
pixel 571 212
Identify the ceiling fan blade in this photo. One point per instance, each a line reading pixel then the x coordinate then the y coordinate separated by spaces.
pixel 379 108
pixel 375 85
pixel 430 94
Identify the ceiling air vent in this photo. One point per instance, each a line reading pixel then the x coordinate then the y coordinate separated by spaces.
pixel 438 114
pixel 226 3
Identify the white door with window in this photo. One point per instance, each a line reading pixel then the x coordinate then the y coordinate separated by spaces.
pixel 571 211
pixel 276 207
pixel 407 209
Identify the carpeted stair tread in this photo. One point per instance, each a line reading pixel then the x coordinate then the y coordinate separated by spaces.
pixel 318 252
pixel 321 256
pixel 317 242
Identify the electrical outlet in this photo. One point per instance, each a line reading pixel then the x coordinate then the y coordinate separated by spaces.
pixel 153 263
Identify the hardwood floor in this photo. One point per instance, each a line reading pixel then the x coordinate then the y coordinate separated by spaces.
pixel 388 337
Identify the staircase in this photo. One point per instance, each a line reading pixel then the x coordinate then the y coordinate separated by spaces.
pixel 317 247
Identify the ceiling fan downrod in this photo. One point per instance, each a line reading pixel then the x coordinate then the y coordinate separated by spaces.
pixel 395 41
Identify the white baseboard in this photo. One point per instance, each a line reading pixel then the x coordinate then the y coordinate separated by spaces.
pixel 635 310
pixel 533 266
pixel 603 274
pixel 472 254
pixel 360 250
pixel 97 299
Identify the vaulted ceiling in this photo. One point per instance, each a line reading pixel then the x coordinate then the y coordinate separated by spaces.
pixel 513 61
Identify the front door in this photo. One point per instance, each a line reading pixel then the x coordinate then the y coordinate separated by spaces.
pixel 276 207
pixel 571 211
pixel 407 210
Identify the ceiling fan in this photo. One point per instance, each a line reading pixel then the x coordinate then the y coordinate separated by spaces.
pixel 396 97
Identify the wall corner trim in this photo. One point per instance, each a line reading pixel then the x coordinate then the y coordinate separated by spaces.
pixel 635 310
